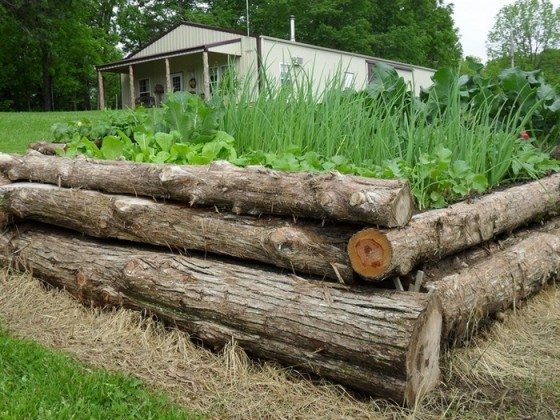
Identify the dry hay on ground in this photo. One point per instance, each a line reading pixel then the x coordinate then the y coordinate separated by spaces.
pixel 513 370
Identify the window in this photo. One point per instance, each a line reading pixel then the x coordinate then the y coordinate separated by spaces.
pixel 285 73
pixel 214 77
pixel 144 87
pixel 217 75
pixel 177 82
pixel 348 80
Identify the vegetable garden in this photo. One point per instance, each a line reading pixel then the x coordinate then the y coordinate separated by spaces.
pixel 462 136
pixel 303 245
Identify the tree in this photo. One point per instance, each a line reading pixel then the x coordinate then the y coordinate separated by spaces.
pixel 471 65
pixel 415 31
pixel 140 21
pixel 49 52
pixel 533 26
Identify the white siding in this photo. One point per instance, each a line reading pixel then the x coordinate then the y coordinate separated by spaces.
pixel 185 36
pixel 321 64
pixel 422 79
pixel 318 64
pixel 230 49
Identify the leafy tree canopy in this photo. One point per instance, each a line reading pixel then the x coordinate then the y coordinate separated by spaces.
pixel 529 26
pixel 532 28
pixel 49 50
pixel 50 47
pixel 415 31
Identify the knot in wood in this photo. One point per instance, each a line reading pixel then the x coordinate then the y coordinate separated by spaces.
pixel 171 173
pixel 129 267
pixel 14 174
pixel 81 279
pixel 357 199
pixel 327 200
pixel 284 239
pixel 110 297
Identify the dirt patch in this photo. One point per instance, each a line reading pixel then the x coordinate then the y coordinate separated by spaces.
pixel 513 369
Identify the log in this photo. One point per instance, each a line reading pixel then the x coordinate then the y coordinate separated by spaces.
pixel 376 254
pixel 47 148
pixel 253 190
pixel 497 282
pixel 305 247
pixel 471 256
pixel 381 342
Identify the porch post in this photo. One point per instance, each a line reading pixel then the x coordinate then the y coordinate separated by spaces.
pixel 101 91
pixel 206 75
pixel 168 75
pixel 132 93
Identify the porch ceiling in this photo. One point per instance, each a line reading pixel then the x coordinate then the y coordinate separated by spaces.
pixel 121 66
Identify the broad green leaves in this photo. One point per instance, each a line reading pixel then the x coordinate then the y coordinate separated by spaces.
pixel 516 97
pixel 112 148
pixel 187 131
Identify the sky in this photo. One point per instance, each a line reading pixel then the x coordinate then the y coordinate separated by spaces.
pixel 475 19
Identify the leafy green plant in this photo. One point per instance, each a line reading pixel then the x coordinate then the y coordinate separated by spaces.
pixel 459 139
pixel 516 96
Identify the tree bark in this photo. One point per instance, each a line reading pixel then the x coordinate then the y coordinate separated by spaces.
pixel 47 148
pixel 496 282
pixel 472 256
pixel 304 247
pixel 47 78
pixel 376 254
pixel 381 342
pixel 252 190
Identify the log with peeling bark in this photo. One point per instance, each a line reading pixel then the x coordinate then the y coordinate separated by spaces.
pixel 252 190
pixel 376 254
pixel 499 281
pixel 47 148
pixel 305 247
pixel 381 342
pixel 469 257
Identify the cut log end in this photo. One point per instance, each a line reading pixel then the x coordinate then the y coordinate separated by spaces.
pixel 423 354
pixel 370 253
pixel 403 207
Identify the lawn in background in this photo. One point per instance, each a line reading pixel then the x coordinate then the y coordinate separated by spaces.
pixel 40 383
pixel 18 129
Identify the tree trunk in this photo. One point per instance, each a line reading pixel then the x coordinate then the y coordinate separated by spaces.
pixel 47 79
pixel 47 148
pixel 305 247
pixel 472 256
pixel 87 92
pixel 381 342
pixel 497 282
pixel 376 254
pixel 253 190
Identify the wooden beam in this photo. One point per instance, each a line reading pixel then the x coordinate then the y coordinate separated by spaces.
pixel 206 75
pixel 168 75
pixel 132 93
pixel 101 90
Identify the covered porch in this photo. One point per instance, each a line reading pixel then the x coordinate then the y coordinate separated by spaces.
pixel 147 80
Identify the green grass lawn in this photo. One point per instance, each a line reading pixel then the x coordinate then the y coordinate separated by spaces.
pixel 18 129
pixel 40 383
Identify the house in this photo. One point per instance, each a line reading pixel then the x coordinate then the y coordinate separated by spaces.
pixel 194 57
